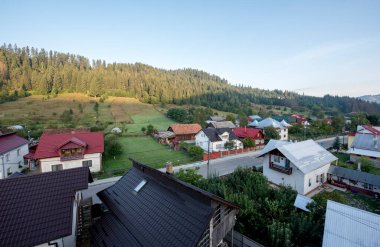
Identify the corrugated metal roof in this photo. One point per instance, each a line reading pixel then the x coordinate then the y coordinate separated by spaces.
pixel 302 201
pixel 349 226
pixel 355 175
pixel 306 155
pixel 365 142
pixel 270 122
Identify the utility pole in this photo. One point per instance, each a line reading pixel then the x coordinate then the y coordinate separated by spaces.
pixel 208 158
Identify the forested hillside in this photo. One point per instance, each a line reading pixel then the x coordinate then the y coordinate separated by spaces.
pixel 48 72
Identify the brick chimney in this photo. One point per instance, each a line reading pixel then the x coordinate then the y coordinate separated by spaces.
pixel 169 168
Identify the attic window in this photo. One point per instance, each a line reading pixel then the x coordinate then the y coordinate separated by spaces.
pixel 139 186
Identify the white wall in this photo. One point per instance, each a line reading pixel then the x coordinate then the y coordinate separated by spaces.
pixel 283 134
pixel 201 140
pixel 297 180
pixel 15 158
pixel 96 158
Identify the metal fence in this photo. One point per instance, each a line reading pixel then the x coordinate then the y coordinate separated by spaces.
pixel 236 239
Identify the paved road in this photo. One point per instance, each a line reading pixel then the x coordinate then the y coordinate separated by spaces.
pixel 328 142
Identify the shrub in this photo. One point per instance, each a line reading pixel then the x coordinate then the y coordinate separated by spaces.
pixel 248 142
pixel 196 153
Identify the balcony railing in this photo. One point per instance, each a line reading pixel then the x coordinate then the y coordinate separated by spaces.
pixel 72 157
pixel 278 168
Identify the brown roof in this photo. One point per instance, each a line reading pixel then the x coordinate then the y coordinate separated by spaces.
pixel 185 129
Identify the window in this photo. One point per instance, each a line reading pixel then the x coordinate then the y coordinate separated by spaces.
pixel 218 146
pixel 370 186
pixel 9 171
pixel 7 157
pixel 317 179
pixel 140 185
pixel 87 163
pixel 365 185
pixel 276 159
pixel 18 152
pixel 56 167
pixel 309 182
pixel 19 164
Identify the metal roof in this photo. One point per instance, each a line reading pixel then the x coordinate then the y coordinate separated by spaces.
pixel 10 141
pixel 36 209
pixel 222 124
pixel 355 175
pixel 302 201
pixel 165 212
pixel 306 155
pixel 349 226
pixel 367 142
pixel 254 123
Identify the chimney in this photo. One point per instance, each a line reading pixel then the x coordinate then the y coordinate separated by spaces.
pixel 169 168
pixel 245 129
pixel 359 166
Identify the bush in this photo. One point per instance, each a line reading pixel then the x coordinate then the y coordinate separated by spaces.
pixel 196 153
pixel 113 146
pixel 366 164
pixel 248 142
pixel 189 176
pixel 149 129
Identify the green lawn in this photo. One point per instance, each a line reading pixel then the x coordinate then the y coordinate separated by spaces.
pixel 146 150
pixel 155 118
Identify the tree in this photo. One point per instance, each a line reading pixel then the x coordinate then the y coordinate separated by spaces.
pixel 366 164
pixel 189 176
pixel 196 153
pixel 113 146
pixel 338 124
pixel 229 145
pixel 249 142
pixel 271 133
pixel 143 129
pixel 336 145
pixel 231 117
pixel 149 129
pixel 67 116
pixel 242 119
pixel 373 119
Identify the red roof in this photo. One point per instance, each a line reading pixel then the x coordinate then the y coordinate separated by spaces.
pixel 248 132
pixel 185 129
pixel 50 143
pixel 11 141
pixel 372 129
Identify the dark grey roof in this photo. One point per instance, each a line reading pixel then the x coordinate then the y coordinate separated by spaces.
pixel 16 174
pixel 214 134
pixel 222 124
pixel 38 208
pixel 164 212
pixel 356 175
pixel 217 118
pixel 367 142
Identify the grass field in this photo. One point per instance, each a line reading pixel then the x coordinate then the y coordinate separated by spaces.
pixel 146 150
pixel 44 112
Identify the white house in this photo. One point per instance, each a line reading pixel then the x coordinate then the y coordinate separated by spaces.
pixel 282 128
pixel 70 150
pixel 214 140
pixel 42 209
pixel 302 165
pixel 12 151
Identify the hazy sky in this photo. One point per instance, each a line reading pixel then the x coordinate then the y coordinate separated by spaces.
pixel 315 47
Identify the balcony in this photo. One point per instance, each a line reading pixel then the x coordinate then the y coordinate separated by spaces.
pixel 279 168
pixel 72 157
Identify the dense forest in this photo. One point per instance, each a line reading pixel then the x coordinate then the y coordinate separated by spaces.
pixel 47 72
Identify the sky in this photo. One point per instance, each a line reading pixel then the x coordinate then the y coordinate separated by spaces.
pixel 311 47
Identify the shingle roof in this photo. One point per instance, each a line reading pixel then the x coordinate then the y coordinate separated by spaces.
pixel 185 129
pixel 355 175
pixel 222 124
pixel 349 226
pixel 164 212
pixel 214 134
pixel 306 155
pixel 35 209
pixel 10 141
pixel 50 143
pixel 248 132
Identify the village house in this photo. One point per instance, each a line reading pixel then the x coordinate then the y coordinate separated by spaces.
pixel 12 151
pixel 257 135
pixel 221 125
pixel 214 140
pixel 252 118
pixel 215 119
pixel 368 129
pixel 151 208
pixel 301 165
pixel 301 120
pixel 354 180
pixel 365 145
pixel 185 132
pixel 70 150
pixel 282 128
pixel 42 209
pixel 164 137
pixel 349 226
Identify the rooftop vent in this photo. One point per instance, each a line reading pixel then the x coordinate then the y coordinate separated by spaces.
pixel 140 185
